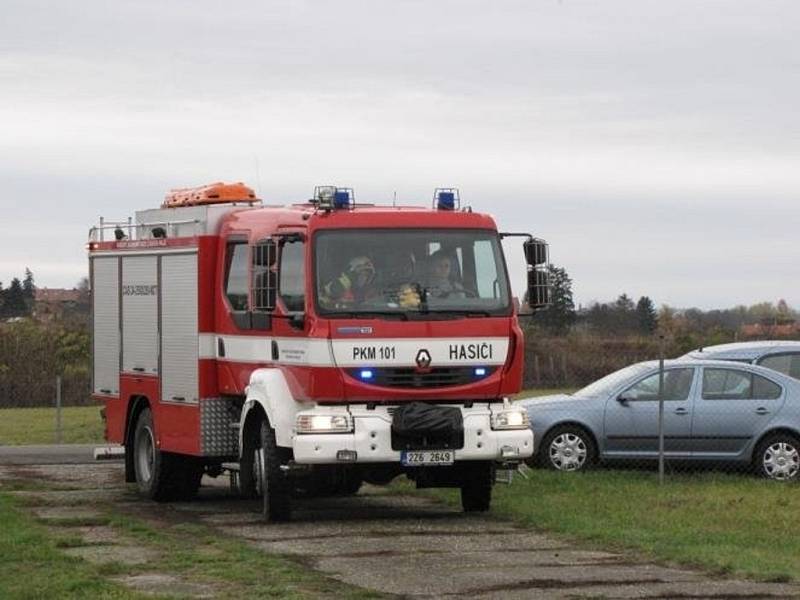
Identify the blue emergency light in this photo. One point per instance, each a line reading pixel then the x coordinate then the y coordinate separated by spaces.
pixel 366 374
pixel 480 372
pixel 342 198
pixel 446 199
pixel 329 197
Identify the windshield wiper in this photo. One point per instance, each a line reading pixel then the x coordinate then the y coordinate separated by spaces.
pixel 366 314
pixel 465 312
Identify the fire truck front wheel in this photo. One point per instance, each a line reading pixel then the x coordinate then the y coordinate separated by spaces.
pixel 476 488
pixel 272 484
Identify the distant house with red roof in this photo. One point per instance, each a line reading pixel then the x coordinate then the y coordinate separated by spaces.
pixel 52 303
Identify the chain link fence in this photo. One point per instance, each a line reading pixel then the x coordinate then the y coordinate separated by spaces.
pixel 606 400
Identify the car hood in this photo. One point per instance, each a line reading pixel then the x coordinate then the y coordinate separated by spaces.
pixel 556 400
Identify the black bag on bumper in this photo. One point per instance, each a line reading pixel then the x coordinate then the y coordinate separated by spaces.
pixel 420 426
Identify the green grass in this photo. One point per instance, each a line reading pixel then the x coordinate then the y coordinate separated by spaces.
pixel 33 567
pixel 199 553
pixel 26 426
pixel 723 523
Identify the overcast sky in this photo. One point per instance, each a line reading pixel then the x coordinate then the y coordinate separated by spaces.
pixel 655 145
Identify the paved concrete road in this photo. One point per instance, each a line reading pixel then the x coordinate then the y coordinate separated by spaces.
pixel 408 546
pixel 416 548
pixel 47 455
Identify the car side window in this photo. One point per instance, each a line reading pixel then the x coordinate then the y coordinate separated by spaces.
pixel 726 384
pixel 764 389
pixel 788 364
pixel 730 384
pixel 677 384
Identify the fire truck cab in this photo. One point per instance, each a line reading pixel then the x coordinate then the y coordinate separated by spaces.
pixel 310 347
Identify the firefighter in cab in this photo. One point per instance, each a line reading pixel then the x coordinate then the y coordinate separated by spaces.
pixel 354 285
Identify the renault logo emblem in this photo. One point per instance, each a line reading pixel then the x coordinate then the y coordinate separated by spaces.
pixel 423 359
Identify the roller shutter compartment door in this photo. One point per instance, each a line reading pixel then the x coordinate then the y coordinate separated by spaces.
pixel 105 326
pixel 140 314
pixel 179 339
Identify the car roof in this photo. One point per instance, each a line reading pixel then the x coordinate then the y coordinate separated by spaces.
pixel 743 350
pixel 785 380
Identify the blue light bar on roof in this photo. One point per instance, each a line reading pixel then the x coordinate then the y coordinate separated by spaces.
pixel 446 199
pixel 342 198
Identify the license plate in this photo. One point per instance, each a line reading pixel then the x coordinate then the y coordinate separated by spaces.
pixel 423 458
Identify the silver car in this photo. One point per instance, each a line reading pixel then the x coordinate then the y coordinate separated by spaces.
pixel 782 356
pixel 713 411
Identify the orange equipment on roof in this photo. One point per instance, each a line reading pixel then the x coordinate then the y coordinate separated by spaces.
pixel 213 193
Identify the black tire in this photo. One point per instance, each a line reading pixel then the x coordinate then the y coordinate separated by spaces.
pixel 273 484
pixel 476 489
pixel 149 463
pixel 187 472
pixel 568 448
pixel 349 482
pixel 777 457
pixel 248 478
pixel 162 476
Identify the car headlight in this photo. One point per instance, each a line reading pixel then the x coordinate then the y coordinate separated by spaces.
pixel 511 419
pixel 324 424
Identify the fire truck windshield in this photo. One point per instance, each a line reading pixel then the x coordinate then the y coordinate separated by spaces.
pixel 410 272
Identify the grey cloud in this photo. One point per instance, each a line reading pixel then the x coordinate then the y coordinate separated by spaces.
pixel 631 131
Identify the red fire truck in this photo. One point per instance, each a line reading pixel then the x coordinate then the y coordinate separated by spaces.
pixel 309 347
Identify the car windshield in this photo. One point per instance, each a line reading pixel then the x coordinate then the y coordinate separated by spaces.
pixel 362 273
pixel 604 386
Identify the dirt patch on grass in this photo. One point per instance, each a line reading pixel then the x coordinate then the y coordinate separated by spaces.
pixel 163 584
pixel 104 554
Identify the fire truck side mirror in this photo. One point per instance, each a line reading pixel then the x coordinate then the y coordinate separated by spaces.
pixel 536 252
pixel 539 293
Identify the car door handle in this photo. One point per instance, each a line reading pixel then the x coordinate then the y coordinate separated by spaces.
pixel 762 411
pixel 681 411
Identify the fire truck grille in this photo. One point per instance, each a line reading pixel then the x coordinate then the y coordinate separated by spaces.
pixel 408 377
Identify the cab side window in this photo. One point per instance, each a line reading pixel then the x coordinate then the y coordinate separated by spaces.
pixel 237 275
pixel 292 277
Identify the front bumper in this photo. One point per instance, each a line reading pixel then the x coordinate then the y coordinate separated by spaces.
pixel 371 440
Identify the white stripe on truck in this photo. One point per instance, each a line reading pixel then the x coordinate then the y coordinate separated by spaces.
pixel 383 352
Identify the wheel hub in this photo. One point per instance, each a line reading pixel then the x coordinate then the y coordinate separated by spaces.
pixel 146 454
pixel 781 461
pixel 568 452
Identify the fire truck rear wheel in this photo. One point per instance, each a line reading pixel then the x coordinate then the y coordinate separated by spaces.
pixel 272 484
pixel 476 488
pixel 150 464
pixel 160 475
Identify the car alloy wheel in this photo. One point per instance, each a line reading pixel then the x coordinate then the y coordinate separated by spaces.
pixel 568 452
pixel 781 461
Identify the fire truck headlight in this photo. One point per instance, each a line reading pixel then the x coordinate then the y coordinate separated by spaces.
pixel 511 419
pixel 324 424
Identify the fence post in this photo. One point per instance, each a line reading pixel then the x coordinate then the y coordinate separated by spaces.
pixel 661 410
pixel 552 369
pixel 59 437
pixel 537 375
pixel 564 367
